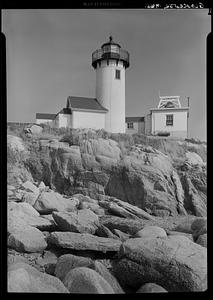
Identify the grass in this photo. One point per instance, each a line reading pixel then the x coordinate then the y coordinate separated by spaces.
pixel 125 141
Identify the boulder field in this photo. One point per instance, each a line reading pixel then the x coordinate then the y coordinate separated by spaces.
pixel 92 219
pixel 124 250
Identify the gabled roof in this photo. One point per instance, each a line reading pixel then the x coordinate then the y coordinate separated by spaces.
pixel 45 116
pixel 65 111
pixel 134 119
pixel 84 104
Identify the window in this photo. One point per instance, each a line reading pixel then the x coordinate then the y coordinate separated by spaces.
pixel 117 74
pixel 130 125
pixel 169 120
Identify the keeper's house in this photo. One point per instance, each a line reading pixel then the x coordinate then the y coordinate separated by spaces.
pixel 168 119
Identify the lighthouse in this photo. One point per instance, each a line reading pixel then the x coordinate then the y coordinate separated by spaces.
pixel 110 63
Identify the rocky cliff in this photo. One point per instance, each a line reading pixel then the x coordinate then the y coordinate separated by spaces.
pixel 99 215
pixel 159 182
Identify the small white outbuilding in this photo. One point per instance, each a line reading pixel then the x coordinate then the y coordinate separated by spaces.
pixel 81 112
pixel 43 118
pixel 169 118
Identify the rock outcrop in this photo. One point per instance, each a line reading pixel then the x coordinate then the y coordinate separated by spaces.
pixel 105 273
pixel 142 175
pixel 83 280
pixel 47 202
pixel 68 262
pixel 151 232
pixel 151 288
pixel 83 241
pixel 84 221
pixel 18 218
pixel 28 239
pixel 22 278
pixel 175 263
pixel 202 240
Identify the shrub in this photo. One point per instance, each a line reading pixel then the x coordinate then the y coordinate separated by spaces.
pixel 163 133
pixel 67 139
pixel 194 141
pixel 140 139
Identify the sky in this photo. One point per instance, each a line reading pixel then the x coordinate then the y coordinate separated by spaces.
pixel 49 53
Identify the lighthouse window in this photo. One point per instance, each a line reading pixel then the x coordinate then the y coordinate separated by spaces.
pixel 169 120
pixel 117 74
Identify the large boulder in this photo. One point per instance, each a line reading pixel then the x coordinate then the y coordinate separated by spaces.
pixel 47 202
pixel 68 262
pixel 101 148
pixel 83 280
pixel 103 231
pixel 192 158
pixel 85 199
pixel 23 207
pixel 192 225
pixel 186 225
pixel 30 187
pixel 134 181
pixel 93 207
pixel 41 186
pixel 122 235
pixel 33 129
pixel 18 219
pixel 194 186
pixel 29 197
pixel 83 221
pixel 173 232
pixel 175 263
pixel 199 227
pixel 123 209
pixel 151 232
pixel 179 193
pixel 128 226
pixel 15 223
pixel 83 241
pixel 14 258
pixel 202 240
pixel 22 278
pixel 105 273
pixel 151 288
pixel 28 239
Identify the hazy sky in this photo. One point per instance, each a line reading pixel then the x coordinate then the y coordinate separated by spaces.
pixel 49 58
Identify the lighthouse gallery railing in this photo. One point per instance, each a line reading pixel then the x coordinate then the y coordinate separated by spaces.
pixel 120 55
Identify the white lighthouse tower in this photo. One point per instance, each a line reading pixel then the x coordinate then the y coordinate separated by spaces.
pixel 110 63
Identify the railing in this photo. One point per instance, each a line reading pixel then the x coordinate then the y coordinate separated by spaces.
pixel 120 54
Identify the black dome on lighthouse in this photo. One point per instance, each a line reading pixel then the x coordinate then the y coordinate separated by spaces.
pixel 110 42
